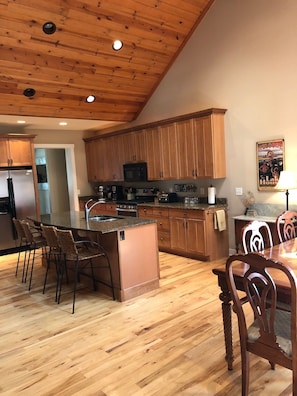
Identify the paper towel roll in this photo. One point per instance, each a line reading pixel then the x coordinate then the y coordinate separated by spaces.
pixel 211 195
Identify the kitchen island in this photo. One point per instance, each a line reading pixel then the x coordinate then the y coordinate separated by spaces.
pixel 131 243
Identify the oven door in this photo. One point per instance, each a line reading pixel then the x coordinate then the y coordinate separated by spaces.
pixel 127 212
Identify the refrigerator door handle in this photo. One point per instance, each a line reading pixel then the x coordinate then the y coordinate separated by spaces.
pixel 12 208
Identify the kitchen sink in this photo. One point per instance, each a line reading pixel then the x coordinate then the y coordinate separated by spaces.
pixel 103 218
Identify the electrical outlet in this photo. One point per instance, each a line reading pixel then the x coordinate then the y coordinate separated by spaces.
pixel 238 190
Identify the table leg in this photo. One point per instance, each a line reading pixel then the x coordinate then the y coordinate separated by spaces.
pixel 227 322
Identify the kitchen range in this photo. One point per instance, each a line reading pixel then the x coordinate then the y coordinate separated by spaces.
pixel 129 207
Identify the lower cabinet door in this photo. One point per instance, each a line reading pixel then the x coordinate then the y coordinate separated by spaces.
pixel 178 234
pixel 196 240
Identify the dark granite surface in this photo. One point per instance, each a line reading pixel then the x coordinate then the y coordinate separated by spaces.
pixel 181 205
pixel 76 220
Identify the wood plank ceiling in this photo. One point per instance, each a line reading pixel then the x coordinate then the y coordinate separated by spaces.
pixel 77 60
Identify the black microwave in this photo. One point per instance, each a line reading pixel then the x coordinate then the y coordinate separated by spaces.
pixel 135 172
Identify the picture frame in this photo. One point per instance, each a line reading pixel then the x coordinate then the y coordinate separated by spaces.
pixel 270 162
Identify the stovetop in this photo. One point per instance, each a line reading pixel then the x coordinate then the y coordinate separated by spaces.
pixel 137 200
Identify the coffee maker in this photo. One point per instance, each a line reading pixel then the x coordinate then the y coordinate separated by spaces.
pixel 116 193
pixel 101 194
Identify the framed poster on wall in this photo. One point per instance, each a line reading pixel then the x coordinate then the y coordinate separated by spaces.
pixel 270 162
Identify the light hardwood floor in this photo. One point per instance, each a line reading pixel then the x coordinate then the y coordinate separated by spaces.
pixel 166 342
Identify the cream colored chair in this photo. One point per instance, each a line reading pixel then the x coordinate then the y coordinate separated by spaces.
pixel 256 236
pixel 286 224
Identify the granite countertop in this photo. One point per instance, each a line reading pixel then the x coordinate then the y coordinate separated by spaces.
pixel 267 219
pixel 75 220
pixel 181 205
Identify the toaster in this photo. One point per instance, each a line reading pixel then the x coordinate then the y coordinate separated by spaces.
pixel 168 197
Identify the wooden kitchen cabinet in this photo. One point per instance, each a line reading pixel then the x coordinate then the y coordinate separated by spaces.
pixel 162 152
pixel 134 147
pixel 159 214
pixel 188 147
pixel 187 231
pixel 153 154
pixel 169 150
pixel 95 156
pixel 201 147
pixel 16 150
pixel 115 158
pixel 209 141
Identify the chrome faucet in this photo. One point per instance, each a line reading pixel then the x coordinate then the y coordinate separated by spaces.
pixel 89 208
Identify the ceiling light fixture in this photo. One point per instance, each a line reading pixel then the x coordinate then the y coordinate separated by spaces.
pixel 29 92
pixel 49 28
pixel 117 45
pixel 21 122
pixel 63 123
pixel 91 99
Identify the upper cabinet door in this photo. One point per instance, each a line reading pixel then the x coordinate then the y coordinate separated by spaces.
pixel 186 149
pixel 134 146
pixel 16 151
pixel 153 155
pixel 169 150
pixel 210 146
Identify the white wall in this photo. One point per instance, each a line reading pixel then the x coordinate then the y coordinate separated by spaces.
pixel 242 57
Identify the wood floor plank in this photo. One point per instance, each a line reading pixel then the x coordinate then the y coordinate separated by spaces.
pixel 166 342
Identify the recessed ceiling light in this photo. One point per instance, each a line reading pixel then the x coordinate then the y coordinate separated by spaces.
pixel 63 123
pixel 29 92
pixel 117 45
pixel 49 28
pixel 21 122
pixel 91 98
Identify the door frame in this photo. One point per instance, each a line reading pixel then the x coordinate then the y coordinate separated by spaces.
pixel 70 169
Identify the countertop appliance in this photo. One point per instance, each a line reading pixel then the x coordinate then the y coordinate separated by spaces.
pixel 17 199
pixel 135 172
pixel 168 197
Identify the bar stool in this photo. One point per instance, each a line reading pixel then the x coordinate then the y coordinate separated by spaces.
pixel 22 242
pixel 82 253
pixel 35 241
pixel 53 253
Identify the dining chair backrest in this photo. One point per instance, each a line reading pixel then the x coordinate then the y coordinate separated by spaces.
pixel 256 236
pixel 50 234
pixel 264 329
pixel 286 224
pixel 67 242
pixel 19 229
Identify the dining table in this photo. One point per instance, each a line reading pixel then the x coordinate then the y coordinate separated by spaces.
pixel 285 253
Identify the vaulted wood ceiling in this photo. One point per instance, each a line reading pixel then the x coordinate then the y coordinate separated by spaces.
pixel 78 60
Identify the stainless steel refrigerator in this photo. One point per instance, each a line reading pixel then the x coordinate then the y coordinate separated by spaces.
pixel 17 199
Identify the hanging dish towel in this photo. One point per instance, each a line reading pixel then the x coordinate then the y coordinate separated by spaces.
pixel 220 220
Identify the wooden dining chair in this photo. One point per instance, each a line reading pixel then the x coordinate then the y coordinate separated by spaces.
pixel 256 236
pixel 286 224
pixel 86 256
pixel 264 330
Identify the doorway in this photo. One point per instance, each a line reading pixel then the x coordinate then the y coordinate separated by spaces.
pixel 57 184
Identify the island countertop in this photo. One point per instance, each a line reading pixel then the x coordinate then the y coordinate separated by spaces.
pixel 76 220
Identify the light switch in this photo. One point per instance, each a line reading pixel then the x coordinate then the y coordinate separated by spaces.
pixel 238 190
